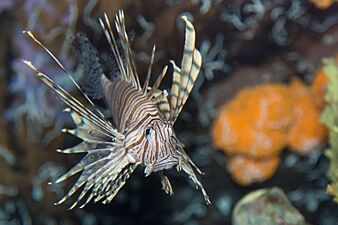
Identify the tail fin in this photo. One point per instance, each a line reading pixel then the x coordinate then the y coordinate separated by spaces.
pixel 89 60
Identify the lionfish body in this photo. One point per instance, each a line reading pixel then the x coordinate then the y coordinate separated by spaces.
pixel 146 133
pixel 142 133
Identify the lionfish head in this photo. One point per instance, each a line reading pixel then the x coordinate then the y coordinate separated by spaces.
pixel 161 138
pixel 169 146
pixel 160 143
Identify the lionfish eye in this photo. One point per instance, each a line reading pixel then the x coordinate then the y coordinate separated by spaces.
pixel 148 129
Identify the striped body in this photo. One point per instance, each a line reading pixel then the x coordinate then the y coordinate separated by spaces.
pixel 142 133
pixel 126 103
pixel 147 134
pixel 139 119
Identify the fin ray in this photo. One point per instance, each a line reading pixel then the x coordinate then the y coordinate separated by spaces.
pixel 130 64
pixel 102 125
pixel 184 77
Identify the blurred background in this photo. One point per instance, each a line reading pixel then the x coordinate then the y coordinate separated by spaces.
pixel 251 123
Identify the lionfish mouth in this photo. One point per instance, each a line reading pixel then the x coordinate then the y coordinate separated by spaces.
pixel 183 163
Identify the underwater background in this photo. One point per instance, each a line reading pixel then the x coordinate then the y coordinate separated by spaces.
pixel 251 49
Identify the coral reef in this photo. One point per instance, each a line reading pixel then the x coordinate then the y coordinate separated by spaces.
pixel 254 140
pixel 54 23
pixel 245 170
pixel 279 115
pixel 36 110
pixel 262 132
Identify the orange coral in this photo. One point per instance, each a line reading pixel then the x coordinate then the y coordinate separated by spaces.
pixel 255 126
pixel 255 122
pixel 253 129
pixel 246 171
pixel 323 4
pixel 307 133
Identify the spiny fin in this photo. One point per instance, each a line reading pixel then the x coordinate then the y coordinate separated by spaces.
pixel 79 148
pixel 146 82
pixel 99 123
pixel 30 34
pixel 175 87
pixel 161 99
pixel 87 131
pixel 106 27
pixel 157 83
pixel 124 61
pixel 166 186
pixel 92 157
pixel 185 165
pixel 99 191
pixel 195 68
pixel 132 76
pixel 190 67
pixel 118 184
pixel 103 170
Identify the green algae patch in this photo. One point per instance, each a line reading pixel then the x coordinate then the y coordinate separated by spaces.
pixel 329 117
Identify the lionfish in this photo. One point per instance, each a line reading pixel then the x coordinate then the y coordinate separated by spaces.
pixel 142 131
